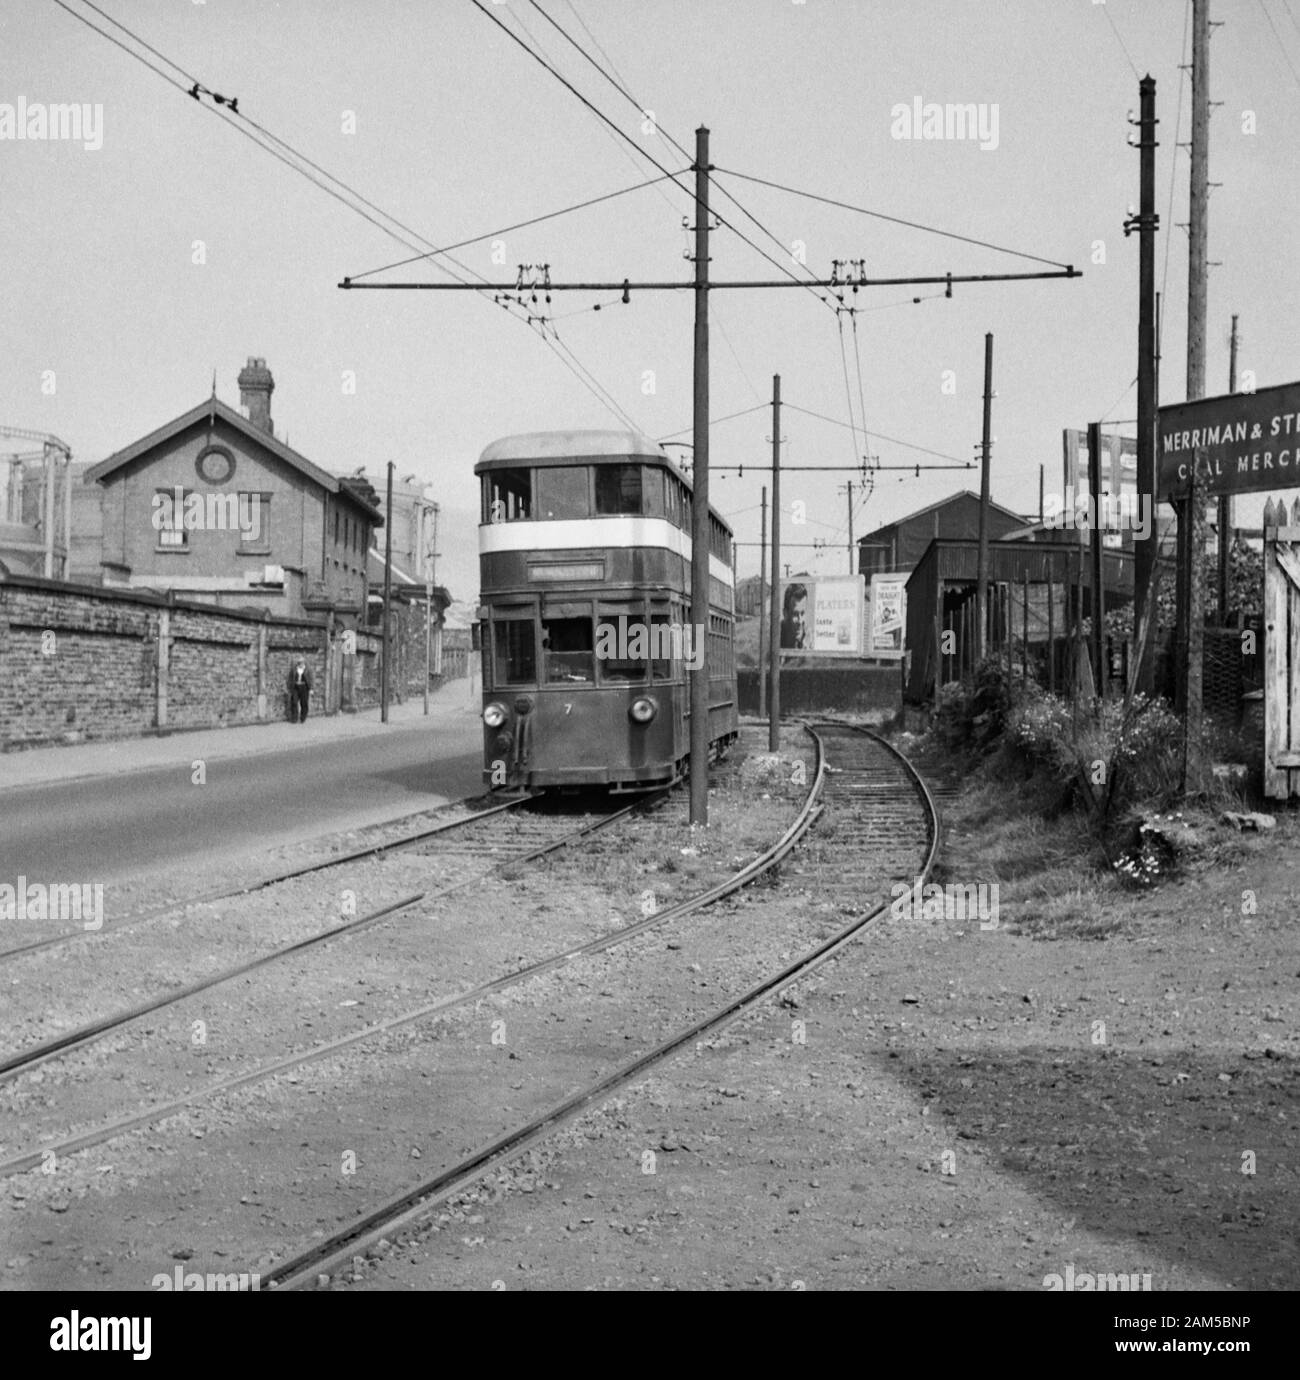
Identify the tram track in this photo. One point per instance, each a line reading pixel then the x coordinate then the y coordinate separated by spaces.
pixel 127 923
pixel 537 842
pixel 875 800
pixel 757 867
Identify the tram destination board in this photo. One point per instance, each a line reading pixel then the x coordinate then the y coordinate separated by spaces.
pixel 1238 443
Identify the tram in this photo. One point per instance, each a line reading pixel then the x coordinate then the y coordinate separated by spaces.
pixel 585 614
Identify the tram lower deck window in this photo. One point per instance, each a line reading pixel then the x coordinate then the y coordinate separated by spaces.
pixel 568 651
pixel 516 653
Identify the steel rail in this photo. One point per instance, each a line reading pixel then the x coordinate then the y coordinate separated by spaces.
pixel 24 1060
pixel 211 897
pixel 410 1206
pixel 752 870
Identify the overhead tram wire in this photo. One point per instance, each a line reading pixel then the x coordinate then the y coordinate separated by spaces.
pixel 621 87
pixel 893 220
pixel 568 85
pixel 224 107
pixel 507 229
pixel 1281 46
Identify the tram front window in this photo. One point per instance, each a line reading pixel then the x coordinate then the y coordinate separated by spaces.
pixel 562 492
pixel 618 490
pixel 516 655
pixel 567 650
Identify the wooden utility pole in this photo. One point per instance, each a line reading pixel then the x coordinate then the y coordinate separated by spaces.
pixel 388 592
pixel 762 612
pixel 1225 500
pixel 1098 590
pixel 700 533
pixel 1146 551
pixel 774 624
pixel 982 559
pixel 1192 516
pixel 850 489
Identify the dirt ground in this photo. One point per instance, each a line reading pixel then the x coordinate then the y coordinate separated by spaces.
pixel 1106 1079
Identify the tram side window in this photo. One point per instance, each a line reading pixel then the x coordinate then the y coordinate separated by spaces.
pixel 507 495
pixel 618 490
pixel 567 650
pixel 562 491
pixel 674 499
pixel 516 653
pixel 661 641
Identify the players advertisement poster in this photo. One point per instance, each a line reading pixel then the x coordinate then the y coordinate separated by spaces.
pixel 822 617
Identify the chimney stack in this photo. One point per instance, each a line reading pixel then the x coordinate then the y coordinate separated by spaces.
pixel 255 388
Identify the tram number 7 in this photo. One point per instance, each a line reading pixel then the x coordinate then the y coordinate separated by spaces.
pixel 568 709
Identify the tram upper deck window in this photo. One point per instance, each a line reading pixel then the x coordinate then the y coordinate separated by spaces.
pixel 507 495
pixel 618 490
pixel 568 651
pixel 562 491
pixel 515 662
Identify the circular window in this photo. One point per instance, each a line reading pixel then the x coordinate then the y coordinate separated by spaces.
pixel 215 465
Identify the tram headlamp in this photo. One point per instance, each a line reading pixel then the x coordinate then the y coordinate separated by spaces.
pixel 523 705
pixel 494 715
pixel 643 710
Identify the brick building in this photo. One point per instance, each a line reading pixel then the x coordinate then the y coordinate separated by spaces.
pixel 214 506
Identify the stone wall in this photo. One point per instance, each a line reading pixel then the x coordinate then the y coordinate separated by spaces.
pixel 82 662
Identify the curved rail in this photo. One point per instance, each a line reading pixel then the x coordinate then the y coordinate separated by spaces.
pixel 755 868
pixel 408 1207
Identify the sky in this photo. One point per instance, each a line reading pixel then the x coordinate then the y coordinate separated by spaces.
pixel 178 246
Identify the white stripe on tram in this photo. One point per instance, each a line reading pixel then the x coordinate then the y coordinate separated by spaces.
pixel 569 534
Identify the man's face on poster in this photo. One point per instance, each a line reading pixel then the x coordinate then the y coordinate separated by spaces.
pixel 799 620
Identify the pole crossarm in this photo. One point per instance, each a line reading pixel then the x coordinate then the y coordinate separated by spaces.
pixel 624 285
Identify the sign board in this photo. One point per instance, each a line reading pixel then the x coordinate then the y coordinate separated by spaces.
pixel 1239 442
pixel 887 615
pixel 822 617
pixel 1119 483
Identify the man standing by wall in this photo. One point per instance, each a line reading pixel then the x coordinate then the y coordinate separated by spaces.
pixel 299 691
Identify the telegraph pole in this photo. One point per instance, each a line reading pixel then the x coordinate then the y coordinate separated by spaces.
pixel 1197 265
pixel 762 613
pixel 1098 573
pixel 1192 524
pixel 700 533
pixel 1225 500
pixel 388 591
pixel 982 560
pixel 1148 382
pixel 774 623
pixel 850 489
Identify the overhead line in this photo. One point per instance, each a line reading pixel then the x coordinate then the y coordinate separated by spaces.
pixel 893 220
pixel 260 143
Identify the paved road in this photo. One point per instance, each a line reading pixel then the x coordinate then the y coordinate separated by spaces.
pixel 139 823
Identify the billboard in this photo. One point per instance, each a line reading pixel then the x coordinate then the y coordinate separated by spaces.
pixel 1238 443
pixel 822 617
pixel 887 615
pixel 1119 483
